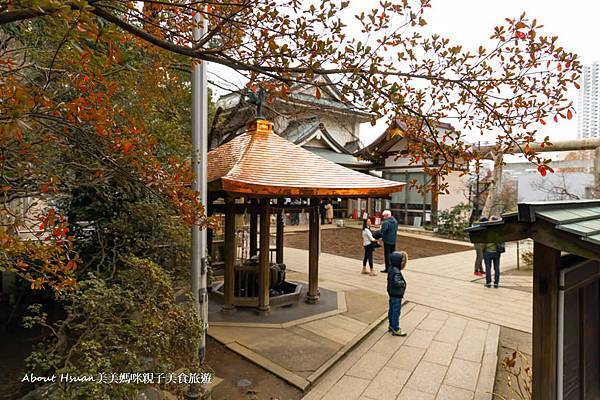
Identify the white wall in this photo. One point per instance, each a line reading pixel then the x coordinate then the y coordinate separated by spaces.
pixel 459 191
pixel 534 187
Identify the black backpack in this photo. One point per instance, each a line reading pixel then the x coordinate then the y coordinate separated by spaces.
pixel 500 247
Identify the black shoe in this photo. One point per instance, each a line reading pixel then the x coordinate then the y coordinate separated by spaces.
pixel 487 285
pixel 383 271
pixel 495 286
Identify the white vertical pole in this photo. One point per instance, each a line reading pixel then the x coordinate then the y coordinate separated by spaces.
pixel 199 165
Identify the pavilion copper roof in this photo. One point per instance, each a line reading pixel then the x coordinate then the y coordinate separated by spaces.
pixel 261 163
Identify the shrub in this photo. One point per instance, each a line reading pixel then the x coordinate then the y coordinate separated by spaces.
pixel 130 325
pixel 453 222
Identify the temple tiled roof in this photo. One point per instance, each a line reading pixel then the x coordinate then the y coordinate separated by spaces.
pixel 260 163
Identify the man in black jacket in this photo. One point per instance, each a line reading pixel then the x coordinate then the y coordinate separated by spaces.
pixel 396 285
pixel 389 231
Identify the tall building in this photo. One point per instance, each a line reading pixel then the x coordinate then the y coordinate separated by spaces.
pixel 588 112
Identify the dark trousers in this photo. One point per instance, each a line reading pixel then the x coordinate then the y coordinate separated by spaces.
pixel 490 258
pixel 478 260
pixel 394 312
pixel 368 255
pixel 387 250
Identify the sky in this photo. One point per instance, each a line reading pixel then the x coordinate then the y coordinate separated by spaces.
pixel 471 22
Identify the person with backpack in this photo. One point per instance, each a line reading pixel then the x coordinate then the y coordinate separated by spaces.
pixel 396 286
pixel 491 255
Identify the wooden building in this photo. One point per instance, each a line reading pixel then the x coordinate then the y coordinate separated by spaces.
pixel 253 173
pixel 388 153
pixel 324 124
pixel 566 292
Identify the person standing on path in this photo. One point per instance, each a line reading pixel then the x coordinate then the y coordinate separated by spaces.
pixel 479 253
pixel 491 255
pixel 369 244
pixel 396 286
pixel 329 212
pixel 389 231
pixel 322 208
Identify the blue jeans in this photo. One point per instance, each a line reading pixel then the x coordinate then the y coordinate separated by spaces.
pixel 490 258
pixel 394 312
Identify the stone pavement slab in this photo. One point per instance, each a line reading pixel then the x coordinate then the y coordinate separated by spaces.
pixel 432 282
pixel 387 384
pixel 453 323
pixel 348 388
pixel 405 371
pixel 463 374
pixel 427 377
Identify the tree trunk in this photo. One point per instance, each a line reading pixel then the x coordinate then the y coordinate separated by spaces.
pixel 493 202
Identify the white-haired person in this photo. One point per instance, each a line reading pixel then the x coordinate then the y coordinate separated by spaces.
pixel 389 232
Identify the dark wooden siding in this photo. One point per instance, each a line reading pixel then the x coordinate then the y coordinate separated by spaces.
pixel 581 356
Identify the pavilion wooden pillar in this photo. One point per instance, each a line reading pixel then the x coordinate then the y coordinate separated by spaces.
pixel 279 238
pixel 253 228
pixel 546 264
pixel 314 239
pixel 230 250
pixel 209 232
pixel 264 275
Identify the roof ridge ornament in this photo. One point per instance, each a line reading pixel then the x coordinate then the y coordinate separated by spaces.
pixel 259 98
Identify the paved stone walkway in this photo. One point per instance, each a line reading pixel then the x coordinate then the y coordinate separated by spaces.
pixel 443 357
pixel 441 282
pixel 453 323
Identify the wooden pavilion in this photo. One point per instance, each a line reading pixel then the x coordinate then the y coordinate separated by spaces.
pixel 566 292
pixel 254 173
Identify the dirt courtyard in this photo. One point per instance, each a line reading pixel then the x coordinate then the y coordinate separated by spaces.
pixel 347 242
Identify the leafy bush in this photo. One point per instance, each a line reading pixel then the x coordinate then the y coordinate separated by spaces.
pixel 130 325
pixel 453 222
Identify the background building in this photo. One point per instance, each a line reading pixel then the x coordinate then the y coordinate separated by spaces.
pixel 588 108
pixel 389 156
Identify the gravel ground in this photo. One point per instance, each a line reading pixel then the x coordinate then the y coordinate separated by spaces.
pixel 347 242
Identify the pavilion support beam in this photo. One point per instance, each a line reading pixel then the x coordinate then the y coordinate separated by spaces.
pixel 546 264
pixel 230 250
pixel 314 239
pixel 209 232
pixel 253 231
pixel 263 276
pixel 279 239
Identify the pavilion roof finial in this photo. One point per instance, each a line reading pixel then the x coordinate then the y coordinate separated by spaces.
pixel 258 97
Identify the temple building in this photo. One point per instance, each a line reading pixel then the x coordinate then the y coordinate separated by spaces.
pixel 410 207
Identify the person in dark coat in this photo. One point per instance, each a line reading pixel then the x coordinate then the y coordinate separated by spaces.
pixel 491 255
pixel 389 231
pixel 396 286
pixel 479 253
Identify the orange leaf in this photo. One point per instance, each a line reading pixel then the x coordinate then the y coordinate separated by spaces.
pixel 71 265
pixel 127 146
pixel 318 93
pixel 569 114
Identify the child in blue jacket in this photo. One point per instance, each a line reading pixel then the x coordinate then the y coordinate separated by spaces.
pixel 396 286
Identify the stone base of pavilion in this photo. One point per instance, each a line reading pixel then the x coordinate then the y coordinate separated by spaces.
pixel 300 343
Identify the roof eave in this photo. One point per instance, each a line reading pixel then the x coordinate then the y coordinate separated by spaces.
pixel 253 189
